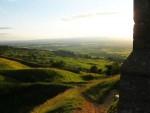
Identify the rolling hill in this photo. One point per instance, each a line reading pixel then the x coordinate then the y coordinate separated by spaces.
pixel 45 58
pixel 9 64
pixel 27 89
pixel 76 100
pixel 42 75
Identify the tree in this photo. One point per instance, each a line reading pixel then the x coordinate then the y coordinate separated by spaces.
pixel 94 69
pixel 112 69
pixel 116 68
pixel 100 71
pixel 108 70
pixel 59 64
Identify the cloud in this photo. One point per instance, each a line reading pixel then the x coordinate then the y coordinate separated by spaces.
pixel 4 34
pixel 5 28
pixel 106 13
pixel 88 15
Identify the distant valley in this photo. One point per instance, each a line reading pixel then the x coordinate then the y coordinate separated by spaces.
pixel 60 76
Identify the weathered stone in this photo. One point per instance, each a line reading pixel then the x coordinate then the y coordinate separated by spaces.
pixel 135 74
pixel 141 11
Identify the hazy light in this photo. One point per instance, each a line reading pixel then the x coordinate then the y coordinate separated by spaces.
pixel 32 19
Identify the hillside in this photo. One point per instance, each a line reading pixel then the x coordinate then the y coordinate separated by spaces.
pixel 54 89
pixel 75 101
pixel 100 89
pixel 21 98
pixel 45 58
pixel 42 75
pixel 9 64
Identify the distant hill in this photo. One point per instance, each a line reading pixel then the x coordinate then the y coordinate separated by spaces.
pixel 58 59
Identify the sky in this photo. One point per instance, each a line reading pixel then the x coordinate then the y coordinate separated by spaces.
pixel 49 19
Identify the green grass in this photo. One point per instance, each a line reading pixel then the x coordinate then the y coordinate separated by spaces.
pixel 97 91
pixel 9 64
pixel 42 75
pixel 21 98
pixel 91 76
pixel 45 58
pixel 2 78
pixel 63 103
pixel 49 90
pixel 17 95
pixel 84 63
pixel 113 107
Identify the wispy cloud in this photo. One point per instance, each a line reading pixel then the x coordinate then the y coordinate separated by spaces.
pixel 5 28
pixel 88 15
pixel 4 34
pixel 106 13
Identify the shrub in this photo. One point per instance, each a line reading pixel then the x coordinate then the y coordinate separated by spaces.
pixel 112 69
pixel 94 69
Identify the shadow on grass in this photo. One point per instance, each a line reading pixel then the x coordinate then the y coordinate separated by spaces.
pixel 23 98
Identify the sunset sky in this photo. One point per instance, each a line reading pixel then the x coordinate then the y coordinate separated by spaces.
pixel 40 19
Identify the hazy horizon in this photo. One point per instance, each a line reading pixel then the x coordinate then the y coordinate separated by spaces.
pixel 66 19
pixel 89 39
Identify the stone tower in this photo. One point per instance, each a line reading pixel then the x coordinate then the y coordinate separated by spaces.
pixel 135 74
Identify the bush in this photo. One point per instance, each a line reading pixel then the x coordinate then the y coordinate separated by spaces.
pixel 59 64
pixel 112 69
pixel 94 69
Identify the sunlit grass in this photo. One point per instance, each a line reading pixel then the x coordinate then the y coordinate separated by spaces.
pixel 63 103
pixel 42 75
pixel 85 63
pixel 9 64
pixel 98 90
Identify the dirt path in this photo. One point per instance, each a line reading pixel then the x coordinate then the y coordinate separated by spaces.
pixel 89 107
pixel 86 107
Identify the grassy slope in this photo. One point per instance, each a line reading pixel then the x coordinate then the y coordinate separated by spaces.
pixel 42 75
pixel 18 96
pixel 83 63
pixel 9 64
pixel 21 98
pixel 67 102
pixel 45 57
pixel 113 107
pixel 98 91
pixel 91 76
pixel 73 100
pixel 63 103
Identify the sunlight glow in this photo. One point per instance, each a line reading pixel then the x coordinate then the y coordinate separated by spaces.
pixel 92 18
